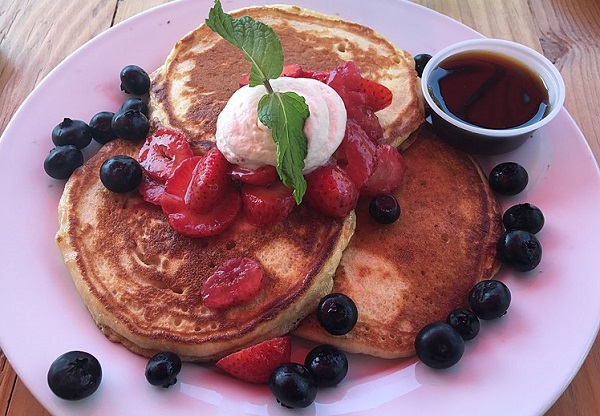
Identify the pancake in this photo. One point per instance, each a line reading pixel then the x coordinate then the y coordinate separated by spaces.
pixel 141 281
pixel 415 271
pixel 189 91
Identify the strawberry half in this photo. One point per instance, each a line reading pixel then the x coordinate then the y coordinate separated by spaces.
pixel 162 152
pixel 151 189
pixel 377 96
pixel 236 281
pixel 262 176
pixel 356 154
pixel 193 223
pixel 331 191
pixel 209 182
pixel 388 173
pixel 267 205
pixel 256 363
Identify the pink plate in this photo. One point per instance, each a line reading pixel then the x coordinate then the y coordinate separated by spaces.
pixel 519 364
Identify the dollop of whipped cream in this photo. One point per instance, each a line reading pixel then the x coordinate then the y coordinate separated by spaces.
pixel 247 142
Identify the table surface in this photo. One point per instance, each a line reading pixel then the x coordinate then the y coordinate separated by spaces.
pixel 35 35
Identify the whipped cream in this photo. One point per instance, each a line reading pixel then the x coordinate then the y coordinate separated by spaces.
pixel 247 142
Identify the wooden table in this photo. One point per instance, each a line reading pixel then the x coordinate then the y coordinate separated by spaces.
pixel 35 35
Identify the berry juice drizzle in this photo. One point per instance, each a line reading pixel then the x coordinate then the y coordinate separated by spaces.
pixel 489 90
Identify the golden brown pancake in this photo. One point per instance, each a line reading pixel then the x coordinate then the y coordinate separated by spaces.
pixel 189 91
pixel 415 271
pixel 141 281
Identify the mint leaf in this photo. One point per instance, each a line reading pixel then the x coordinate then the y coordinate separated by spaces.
pixel 258 41
pixel 285 113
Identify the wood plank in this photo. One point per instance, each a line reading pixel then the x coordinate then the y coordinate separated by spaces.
pixel 7 382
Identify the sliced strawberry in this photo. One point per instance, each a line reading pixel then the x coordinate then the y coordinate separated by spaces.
pixel 267 205
pixel 209 182
pixel 192 223
pixel 256 363
pixel 236 281
pixel 162 152
pixel 151 189
pixel 377 96
pixel 331 191
pixel 262 176
pixel 388 174
pixel 356 154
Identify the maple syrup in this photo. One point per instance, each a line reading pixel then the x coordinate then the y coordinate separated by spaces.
pixel 489 90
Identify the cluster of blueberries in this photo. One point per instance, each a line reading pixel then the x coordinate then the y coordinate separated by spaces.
pixel 441 344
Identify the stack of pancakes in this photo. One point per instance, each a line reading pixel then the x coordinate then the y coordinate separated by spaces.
pixel 141 280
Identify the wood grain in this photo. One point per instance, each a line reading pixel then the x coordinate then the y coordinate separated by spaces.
pixel 36 35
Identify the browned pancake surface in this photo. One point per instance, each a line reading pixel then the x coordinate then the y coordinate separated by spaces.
pixel 142 281
pixel 203 71
pixel 416 270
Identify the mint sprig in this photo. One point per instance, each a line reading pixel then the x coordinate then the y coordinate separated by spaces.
pixel 284 113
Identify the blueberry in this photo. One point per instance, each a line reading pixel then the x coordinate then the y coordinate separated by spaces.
pixel 384 208
pixel 520 250
pixel 62 161
pixel 121 173
pixel 100 126
pixel 489 299
pixel 75 132
pixel 293 385
pixel 131 125
pixel 508 178
pixel 134 80
pixel 327 364
pixel 74 375
pixel 163 369
pixel 420 62
pixel 135 103
pixel 465 322
pixel 439 346
pixel 524 217
pixel 337 313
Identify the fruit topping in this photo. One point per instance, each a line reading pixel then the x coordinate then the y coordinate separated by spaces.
pixel 151 190
pixel 327 364
pixel 526 217
pixel 520 250
pixel 62 161
pixel 162 369
pixel 465 322
pixel 210 181
pixel 337 313
pixel 135 103
pixel 357 154
pixel 236 281
pixel 508 178
pixel 131 125
pixel 134 80
pixel 388 173
pixel 162 152
pixel 331 191
pixel 75 132
pixel 255 364
pixel 121 173
pixel 261 176
pixel 384 208
pixel 420 62
pixel 489 299
pixel 293 385
pixel 100 126
pixel 267 205
pixel 439 346
pixel 74 375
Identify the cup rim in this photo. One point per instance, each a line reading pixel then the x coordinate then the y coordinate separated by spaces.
pixel 482 44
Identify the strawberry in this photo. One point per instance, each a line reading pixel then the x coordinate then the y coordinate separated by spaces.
pixel 356 154
pixel 262 176
pixel 267 205
pixel 331 191
pixel 189 222
pixel 377 96
pixel 209 181
pixel 256 363
pixel 162 152
pixel 236 281
pixel 388 174
pixel 151 189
